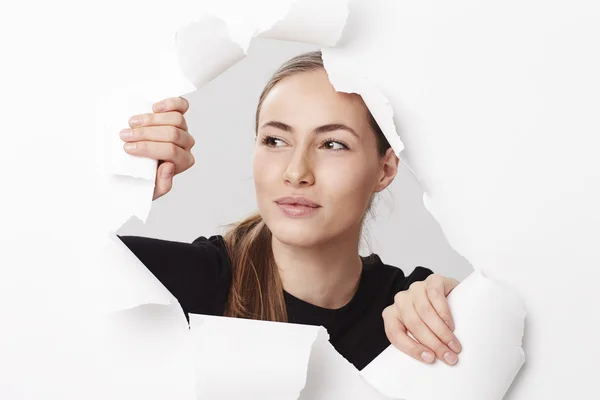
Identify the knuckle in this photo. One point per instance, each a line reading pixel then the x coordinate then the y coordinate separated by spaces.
pixel 399 297
pixel 171 151
pixel 434 279
pixel 434 290
pixel 174 134
pixel 387 312
pixel 192 160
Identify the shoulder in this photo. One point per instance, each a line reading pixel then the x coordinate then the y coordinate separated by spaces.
pixel 389 278
pixel 198 274
pixel 159 250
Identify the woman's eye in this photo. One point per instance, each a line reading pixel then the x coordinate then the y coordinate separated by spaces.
pixel 335 145
pixel 272 141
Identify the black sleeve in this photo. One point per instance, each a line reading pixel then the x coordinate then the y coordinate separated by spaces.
pixel 198 274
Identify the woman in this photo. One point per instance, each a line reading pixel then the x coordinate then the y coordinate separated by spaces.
pixel 319 160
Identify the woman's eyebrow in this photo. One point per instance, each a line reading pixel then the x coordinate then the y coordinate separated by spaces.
pixel 321 129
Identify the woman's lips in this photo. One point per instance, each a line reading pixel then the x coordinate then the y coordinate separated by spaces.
pixel 297 210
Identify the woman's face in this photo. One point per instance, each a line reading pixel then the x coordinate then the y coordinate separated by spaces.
pixel 315 143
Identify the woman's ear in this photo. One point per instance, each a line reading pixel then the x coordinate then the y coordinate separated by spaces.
pixel 388 171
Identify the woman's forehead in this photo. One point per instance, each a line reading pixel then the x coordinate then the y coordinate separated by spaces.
pixel 310 94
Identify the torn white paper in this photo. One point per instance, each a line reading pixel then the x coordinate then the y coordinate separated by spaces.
pixel 489 320
pixel 127 181
pixel 310 21
pixel 241 358
pixel 500 124
pixel 331 377
pixel 307 21
pixel 120 281
pixel 143 352
pixel 497 107
pixel 67 189
pixel 346 77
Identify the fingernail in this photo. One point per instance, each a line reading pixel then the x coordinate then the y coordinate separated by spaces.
pixel 450 325
pixel 450 358
pixel 454 346
pixel 167 171
pixel 159 106
pixel 427 356
pixel 129 146
pixel 126 134
pixel 135 120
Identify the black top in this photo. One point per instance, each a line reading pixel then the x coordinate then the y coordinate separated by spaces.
pixel 199 276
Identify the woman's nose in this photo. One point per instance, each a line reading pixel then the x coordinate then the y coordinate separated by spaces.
pixel 299 171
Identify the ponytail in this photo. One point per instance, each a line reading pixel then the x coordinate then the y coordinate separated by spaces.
pixel 256 290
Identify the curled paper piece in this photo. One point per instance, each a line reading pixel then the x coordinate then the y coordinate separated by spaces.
pixel 489 320
pixel 345 77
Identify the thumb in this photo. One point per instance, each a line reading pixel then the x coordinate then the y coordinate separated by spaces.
pixel 164 179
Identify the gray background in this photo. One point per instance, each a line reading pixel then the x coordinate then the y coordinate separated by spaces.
pixel 219 188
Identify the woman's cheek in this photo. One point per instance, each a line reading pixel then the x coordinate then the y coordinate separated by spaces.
pixel 349 191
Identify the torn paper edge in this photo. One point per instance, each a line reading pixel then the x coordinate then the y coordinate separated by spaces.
pixel 375 100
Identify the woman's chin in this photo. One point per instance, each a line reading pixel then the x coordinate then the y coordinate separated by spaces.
pixel 298 234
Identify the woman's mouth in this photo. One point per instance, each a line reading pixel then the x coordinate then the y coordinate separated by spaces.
pixel 297 210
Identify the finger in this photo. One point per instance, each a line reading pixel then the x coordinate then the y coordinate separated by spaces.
pixel 430 317
pixel 168 134
pixel 172 104
pixel 437 288
pixel 396 333
pixel 421 332
pixel 162 151
pixel 164 179
pixel 173 118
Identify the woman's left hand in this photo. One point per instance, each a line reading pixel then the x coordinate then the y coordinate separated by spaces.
pixel 423 311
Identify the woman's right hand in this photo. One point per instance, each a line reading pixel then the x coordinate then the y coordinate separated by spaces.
pixel 163 136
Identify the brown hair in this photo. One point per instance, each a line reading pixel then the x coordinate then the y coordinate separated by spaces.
pixel 256 290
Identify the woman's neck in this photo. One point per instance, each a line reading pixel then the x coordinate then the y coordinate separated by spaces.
pixel 326 275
